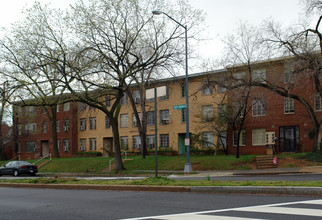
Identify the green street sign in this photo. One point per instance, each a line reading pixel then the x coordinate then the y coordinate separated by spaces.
pixel 179 107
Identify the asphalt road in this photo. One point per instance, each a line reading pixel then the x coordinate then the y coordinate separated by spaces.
pixel 19 203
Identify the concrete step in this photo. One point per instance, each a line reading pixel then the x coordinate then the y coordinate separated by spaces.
pixel 265 162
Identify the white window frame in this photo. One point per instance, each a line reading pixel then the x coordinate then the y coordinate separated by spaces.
pixel 242 139
pixel 207 139
pixel 258 136
pixel 259 76
pixel 82 144
pixel 124 119
pixel 31 146
pixel 92 144
pixel 258 107
pixel 134 121
pixel 206 89
pixel 136 96
pixel 150 139
pixel 58 125
pixel 164 141
pixel 124 99
pixel 124 142
pixel 164 117
pixel 136 142
pixel 238 78
pixel 82 124
pixel 44 127
pixel 92 123
pixel 207 112
pixel 66 106
pixel 58 145
pixel 66 145
pixel 31 128
pixel 66 124
pixel 288 105
pixel 317 102
pixel 150 118
pixel 289 74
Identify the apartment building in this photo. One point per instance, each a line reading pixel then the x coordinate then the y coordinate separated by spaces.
pixel 270 112
pixel 33 131
pixel 95 132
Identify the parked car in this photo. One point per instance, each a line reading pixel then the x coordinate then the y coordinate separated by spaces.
pixel 16 168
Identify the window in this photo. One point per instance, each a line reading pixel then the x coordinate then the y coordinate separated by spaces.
pixel 206 88
pixel 207 139
pixel 222 86
pixel 44 127
pixel 288 105
pixel 289 74
pixel 19 129
pixel 66 144
pixel 238 78
pixel 124 120
pixel 318 102
pixel 207 112
pixel 82 106
pixel 242 138
pixel 134 121
pixel 92 144
pixel 166 96
pixel 259 107
pixel 258 136
pixel 136 96
pixel 58 126
pixel 107 122
pixel 124 100
pixel 66 125
pixel 222 139
pixel 82 144
pixel 150 139
pixel 31 147
pixel 124 143
pixel 92 123
pixel 31 110
pixel 259 76
pixel 222 110
pixel 183 115
pixel 58 145
pixel 31 128
pixel 164 141
pixel 150 118
pixel 136 142
pixel 58 108
pixel 108 100
pixel 82 124
pixel 183 90
pixel 66 106
pixel 164 117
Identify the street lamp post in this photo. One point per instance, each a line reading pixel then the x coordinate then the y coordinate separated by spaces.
pixel 187 167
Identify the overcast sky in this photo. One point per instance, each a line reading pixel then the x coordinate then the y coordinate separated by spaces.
pixel 223 16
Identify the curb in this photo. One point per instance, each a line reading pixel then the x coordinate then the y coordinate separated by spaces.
pixel 305 191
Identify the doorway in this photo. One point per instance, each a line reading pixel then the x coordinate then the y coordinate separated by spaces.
pixel 44 148
pixel 289 139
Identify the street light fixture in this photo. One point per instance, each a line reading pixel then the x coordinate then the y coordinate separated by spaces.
pixel 187 166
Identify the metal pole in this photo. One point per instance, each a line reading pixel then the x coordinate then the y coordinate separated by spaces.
pixel 156 132
pixel 187 167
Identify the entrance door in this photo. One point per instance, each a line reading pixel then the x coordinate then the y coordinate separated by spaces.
pixel 182 147
pixel 289 139
pixel 44 148
pixel 107 146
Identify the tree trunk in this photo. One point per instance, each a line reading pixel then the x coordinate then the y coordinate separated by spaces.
pixel 2 150
pixel 53 120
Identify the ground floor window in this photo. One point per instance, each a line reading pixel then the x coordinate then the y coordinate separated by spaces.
pixel 82 144
pixel 242 138
pixel 164 141
pixel 258 136
pixel 136 142
pixel 58 145
pixel 31 146
pixel 124 143
pixel 150 141
pixel 222 139
pixel 66 143
pixel 92 144
pixel 208 139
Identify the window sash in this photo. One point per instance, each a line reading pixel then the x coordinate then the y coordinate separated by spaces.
pixel 82 144
pixel 31 146
pixel 82 124
pixel 124 120
pixel 150 141
pixel 92 144
pixel 242 139
pixel 136 142
pixel 164 116
pixel 124 143
pixel 288 105
pixel 92 123
pixel 164 141
pixel 318 102
pixel 66 106
pixel 258 136
pixel 207 139
pixel 259 76
pixel 259 108
pixel 150 118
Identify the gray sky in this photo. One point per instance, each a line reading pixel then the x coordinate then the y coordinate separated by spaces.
pixel 223 16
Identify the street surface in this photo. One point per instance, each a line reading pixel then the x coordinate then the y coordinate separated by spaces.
pixel 19 203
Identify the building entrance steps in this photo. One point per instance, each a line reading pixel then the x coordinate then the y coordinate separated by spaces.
pixel 265 162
